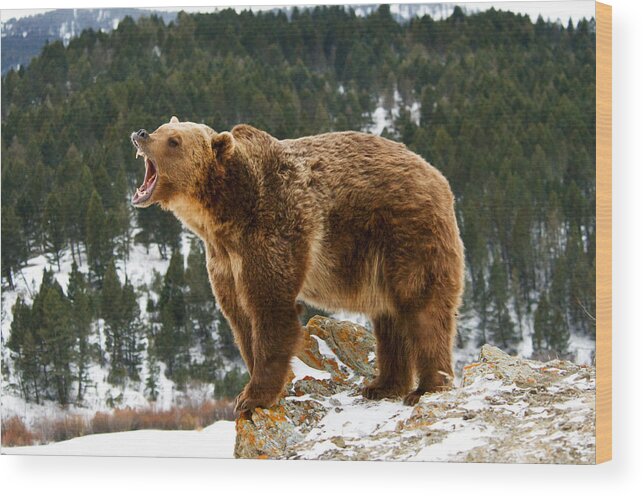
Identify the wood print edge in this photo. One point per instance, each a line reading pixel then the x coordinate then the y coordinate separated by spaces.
pixel 604 232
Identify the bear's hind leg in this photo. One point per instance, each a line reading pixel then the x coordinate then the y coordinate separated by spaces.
pixel 431 335
pixel 395 375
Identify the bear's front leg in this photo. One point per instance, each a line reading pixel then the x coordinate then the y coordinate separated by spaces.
pixel 276 333
pixel 269 283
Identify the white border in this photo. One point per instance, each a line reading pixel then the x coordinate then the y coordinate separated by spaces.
pixel 48 476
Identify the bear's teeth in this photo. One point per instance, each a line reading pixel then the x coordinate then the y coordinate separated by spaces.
pixel 138 153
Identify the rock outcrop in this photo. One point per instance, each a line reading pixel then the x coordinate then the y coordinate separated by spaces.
pixel 506 409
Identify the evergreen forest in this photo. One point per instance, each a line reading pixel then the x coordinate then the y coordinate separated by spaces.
pixel 503 106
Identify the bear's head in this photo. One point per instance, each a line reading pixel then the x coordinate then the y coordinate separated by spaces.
pixel 179 157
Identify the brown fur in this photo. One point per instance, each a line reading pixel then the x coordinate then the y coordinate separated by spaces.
pixel 344 221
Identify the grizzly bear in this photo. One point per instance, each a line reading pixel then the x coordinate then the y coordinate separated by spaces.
pixel 343 221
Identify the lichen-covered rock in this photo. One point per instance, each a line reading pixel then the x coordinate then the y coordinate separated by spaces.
pixel 506 409
pixel 312 356
pixel 502 366
pixel 352 344
pixel 252 441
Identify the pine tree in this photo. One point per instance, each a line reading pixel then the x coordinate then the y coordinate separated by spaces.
pixel 501 326
pixel 60 340
pixel 111 310
pixel 146 219
pixel 22 342
pixel 14 251
pixel 99 250
pixel 73 198
pixel 542 322
pixel 225 338
pixel 172 342
pixel 152 381
pixel 121 217
pixel 550 330
pixel 83 193
pixel 198 298
pixel 30 203
pixel 557 335
pixel 160 227
pixel 230 383
pixel 40 334
pixel 168 234
pixel 132 331
pixel 78 294
pixel 481 299
pixel 55 228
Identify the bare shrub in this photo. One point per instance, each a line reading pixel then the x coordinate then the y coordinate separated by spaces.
pixel 15 433
pixel 188 417
pixel 69 427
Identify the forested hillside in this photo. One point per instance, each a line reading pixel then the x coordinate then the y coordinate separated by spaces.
pixel 23 38
pixel 504 107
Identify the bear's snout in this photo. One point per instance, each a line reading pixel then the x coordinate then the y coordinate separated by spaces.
pixel 141 135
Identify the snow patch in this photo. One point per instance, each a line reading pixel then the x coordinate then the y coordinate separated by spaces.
pixel 358 418
pixel 215 441
pixel 385 119
pixel 465 437
pixel 301 370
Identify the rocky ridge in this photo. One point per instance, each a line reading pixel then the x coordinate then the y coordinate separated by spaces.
pixel 505 409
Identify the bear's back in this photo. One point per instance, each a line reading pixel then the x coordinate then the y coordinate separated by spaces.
pixel 368 171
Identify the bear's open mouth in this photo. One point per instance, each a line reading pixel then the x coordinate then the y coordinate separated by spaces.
pixel 145 190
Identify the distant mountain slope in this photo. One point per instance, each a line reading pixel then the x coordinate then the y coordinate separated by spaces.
pixel 23 39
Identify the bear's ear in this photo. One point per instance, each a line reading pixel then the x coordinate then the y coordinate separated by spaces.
pixel 223 145
pixel 174 120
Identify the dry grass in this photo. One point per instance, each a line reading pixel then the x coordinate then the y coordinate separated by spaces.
pixel 64 428
pixel 15 433
pixel 189 417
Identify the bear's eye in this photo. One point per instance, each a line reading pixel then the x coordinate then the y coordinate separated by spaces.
pixel 173 142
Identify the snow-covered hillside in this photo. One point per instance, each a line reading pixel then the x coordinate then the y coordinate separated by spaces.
pixel 140 269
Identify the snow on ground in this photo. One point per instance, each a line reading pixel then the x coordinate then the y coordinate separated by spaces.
pixel 385 119
pixel 301 370
pixel 503 409
pixel 461 437
pixel 358 418
pixel 382 119
pixel 27 283
pixel 215 441
pixel 141 265
pixel 139 269
pixel 583 348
